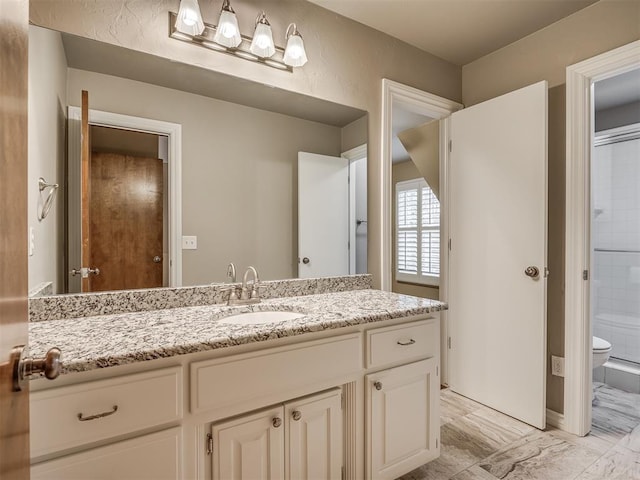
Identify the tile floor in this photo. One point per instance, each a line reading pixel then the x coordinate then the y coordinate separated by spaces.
pixel 481 444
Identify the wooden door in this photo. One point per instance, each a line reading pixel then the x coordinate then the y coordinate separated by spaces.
pixel 323 215
pixel 498 229
pixel 403 418
pixel 85 187
pixel 250 447
pixel 14 407
pixel 314 437
pixel 126 210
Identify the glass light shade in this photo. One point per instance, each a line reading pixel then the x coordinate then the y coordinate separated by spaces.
pixel 189 18
pixel 227 31
pixel 262 43
pixel 294 54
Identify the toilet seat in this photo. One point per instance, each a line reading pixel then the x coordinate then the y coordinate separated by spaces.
pixel 600 345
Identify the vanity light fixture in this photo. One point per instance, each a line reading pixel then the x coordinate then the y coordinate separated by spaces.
pixel 189 19
pixel 227 31
pixel 294 53
pixel 262 44
pixel 226 37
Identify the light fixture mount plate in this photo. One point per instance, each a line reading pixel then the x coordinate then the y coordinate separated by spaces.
pixel 242 51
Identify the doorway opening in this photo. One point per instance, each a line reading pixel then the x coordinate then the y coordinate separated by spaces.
pixel 120 143
pixel 128 213
pixel 615 254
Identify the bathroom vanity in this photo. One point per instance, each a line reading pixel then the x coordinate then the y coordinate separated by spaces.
pixel 349 388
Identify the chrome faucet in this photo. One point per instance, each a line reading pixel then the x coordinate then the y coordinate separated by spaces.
pixel 249 292
pixel 231 273
pixel 245 296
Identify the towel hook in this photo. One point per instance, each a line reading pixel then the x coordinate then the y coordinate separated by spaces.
pixel 46 205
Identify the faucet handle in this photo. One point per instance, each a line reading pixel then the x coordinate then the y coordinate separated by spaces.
pixel 234 292
pixel 254 290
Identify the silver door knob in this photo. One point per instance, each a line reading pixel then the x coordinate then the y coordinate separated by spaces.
pixel 306 260
pixel 532 272
pixel 276 422
pixel 297 415
pixel 26 367
pixel 378 385
pixel 157 259
pixel 85 272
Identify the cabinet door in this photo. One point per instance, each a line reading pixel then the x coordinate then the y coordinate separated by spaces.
pixel 402 418
pixel 250 447
pixel 314 440
pixel 154 457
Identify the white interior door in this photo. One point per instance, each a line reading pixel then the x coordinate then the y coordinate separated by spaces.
pixel 498 228
pixel 323 215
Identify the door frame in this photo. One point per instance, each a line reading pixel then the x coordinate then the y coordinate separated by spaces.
pixel 138 124
pixel 580 121
pixel 353 155
pixel 436 107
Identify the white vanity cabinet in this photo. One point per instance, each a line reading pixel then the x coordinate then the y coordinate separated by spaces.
pixel 157 456
pixel 402 403
pixel 299 440
pixel 69 418
pixel 356 402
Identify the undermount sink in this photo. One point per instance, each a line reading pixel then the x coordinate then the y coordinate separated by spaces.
pixel 256 318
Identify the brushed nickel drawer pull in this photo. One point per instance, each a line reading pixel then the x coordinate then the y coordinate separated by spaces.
pixel 98 415
pixel 404 344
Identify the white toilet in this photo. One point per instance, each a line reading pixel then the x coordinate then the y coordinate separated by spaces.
pixel 601 351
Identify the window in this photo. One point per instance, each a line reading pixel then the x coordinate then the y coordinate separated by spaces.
pixel 417 233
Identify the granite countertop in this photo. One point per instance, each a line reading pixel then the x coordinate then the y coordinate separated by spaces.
pixel 89 343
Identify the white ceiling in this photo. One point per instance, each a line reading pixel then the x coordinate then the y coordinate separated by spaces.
pixel 459 31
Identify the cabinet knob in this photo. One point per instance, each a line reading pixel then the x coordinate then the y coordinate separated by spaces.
pixel 276 422
pixel 297 415
pixel 378 385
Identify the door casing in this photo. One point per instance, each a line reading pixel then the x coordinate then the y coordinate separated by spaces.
pixel 433 106
pixel 580 131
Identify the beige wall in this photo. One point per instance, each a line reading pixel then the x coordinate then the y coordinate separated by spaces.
pixel 620 116
pixel 347 60
pixel 46 156
pixel 126 142
pixel 545 55
pixel 238 172
pixel 399 173
pixel 354 134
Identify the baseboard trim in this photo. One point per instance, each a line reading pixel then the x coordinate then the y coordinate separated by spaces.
pixel 555 419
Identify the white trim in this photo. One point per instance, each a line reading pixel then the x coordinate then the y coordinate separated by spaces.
pixel 555 419
pixel 394 93
pixel 174 132
pixel 353 155
pixel 578 337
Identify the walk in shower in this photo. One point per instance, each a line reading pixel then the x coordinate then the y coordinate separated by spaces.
pixel 615 235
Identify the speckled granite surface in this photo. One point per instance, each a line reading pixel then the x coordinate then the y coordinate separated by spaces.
pixel 108 340
pixel 107 303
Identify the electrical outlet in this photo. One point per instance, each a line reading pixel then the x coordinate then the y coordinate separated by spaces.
pixel 189 242
pixel 557 366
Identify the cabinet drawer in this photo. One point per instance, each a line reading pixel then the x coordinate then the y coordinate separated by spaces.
pixel 154 457
pixel 402 342
pixel 265 376
pixel 67 417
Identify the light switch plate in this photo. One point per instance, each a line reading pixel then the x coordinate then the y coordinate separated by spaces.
pixel 557 366
pixel 189 242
